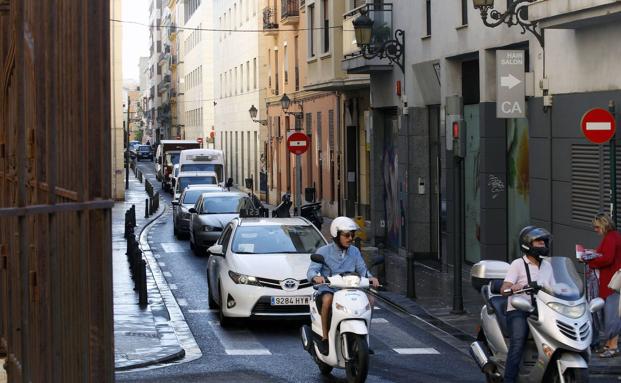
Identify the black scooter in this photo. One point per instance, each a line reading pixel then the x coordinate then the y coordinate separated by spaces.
pixel 312 212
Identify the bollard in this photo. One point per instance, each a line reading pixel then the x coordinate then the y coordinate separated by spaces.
pixel 142 287
pixel 146 208
pixel 133 215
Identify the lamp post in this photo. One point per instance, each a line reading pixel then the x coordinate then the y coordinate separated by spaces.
pixel 393 50
pixel 285 103
pixel 516 14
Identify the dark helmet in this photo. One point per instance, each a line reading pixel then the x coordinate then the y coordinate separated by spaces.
pixel 530 234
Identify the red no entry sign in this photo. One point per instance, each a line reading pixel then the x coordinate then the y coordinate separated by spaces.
pixel 598 125
pixel 297 143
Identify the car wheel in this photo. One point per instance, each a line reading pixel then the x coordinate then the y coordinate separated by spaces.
pixel 224 320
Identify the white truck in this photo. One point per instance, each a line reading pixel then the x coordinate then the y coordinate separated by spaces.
pixel 203 160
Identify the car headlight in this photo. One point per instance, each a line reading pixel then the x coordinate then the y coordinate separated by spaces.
pixel 207 228
pixel 569 311
pixel 242 279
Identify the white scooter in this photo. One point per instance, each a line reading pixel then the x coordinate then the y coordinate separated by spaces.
pixel 560 323
pixel 348 337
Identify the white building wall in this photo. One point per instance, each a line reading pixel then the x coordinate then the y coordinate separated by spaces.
pixel 198 58
pixel 237 52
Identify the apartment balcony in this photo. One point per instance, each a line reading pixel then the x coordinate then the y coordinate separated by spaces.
pixel 353 60
pixel 289 12
pixel 172 31
pixel 270 26
pixel 575 14
pixel 164 84
pixel 164 55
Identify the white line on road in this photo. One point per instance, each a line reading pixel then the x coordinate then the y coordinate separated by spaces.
pixel 172 286
pixel 199 311
pixel 258 351
pixel 378 321
pixel 167 274
pixel 182 302
pixel 416 351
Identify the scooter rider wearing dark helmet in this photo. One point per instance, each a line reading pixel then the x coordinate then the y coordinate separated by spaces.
pixel 340 257
pixel 534 244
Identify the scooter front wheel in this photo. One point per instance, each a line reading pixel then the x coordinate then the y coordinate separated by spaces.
pixel 573 375
pixel 357 367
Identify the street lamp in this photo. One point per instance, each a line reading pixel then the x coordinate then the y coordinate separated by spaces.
pixel 393 50
pixel 516 14
pixel 285 102
pixel 253 115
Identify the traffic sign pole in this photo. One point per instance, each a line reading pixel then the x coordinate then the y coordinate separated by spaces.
pixel 613 168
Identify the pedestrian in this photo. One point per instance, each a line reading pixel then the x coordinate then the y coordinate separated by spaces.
pixel 608 263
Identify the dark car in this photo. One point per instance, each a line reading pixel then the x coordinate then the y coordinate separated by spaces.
pixel 144 152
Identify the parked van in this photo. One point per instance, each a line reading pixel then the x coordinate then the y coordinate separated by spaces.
pixel 203 160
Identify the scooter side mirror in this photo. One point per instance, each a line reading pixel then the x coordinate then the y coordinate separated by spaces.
pixel 596 304
pixel 522 304
pixel 318 258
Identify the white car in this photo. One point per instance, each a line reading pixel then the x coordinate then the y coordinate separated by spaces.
pixel 258 268
pixel 184 179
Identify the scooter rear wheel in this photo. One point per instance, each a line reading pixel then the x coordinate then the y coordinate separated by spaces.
pixel 358 367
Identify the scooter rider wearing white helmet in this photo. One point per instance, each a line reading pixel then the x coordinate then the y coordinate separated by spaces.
pixel 340 257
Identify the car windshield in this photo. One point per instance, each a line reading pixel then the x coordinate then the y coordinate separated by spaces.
pixel 206 180
pixel 191 196
pixel 559 278
pixel 172 158
pixel 275 239
pixel 144 148
pixel 223 204
pixel 204 168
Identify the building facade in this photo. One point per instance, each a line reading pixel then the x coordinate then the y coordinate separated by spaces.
pixel 237 88
pixel 117 129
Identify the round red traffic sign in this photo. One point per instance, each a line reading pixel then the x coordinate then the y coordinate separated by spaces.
pixel 297 143
pixel 199 140
pixel 598 125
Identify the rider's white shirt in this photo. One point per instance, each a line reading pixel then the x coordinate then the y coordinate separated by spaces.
pixel 517 275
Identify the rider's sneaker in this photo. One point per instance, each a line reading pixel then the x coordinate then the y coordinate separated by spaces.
pixel 323 346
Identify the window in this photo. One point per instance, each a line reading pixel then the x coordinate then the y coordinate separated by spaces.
pixel 311 30
pixel 296 63
pixel 223 27
pixel 248 75
pixel 230 21
pixel 464 12
pixel 269 68
pixel 241 78
pixel 428 16
pixel 235 16
pixel 276 84
pixel 286 64
pixel 220 85
pixel 235 84
pixel 254 72
pixel 326 26
pixel 220 26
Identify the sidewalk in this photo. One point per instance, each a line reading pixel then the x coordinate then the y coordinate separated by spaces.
pixel 142 337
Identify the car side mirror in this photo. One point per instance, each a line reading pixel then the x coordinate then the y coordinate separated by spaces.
pixel 215 250
pixel 175 203
pixel 318 258
pixel 193 211
pixel 596 304
pixel 522 304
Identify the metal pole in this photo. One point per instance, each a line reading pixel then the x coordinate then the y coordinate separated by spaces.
pixel 126 156
pixel 458 300
pixel 298 184
pixel 613 168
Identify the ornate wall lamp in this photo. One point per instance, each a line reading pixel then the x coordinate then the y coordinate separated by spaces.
pixel 253 115
pixel 393 50
pixel 285 102
pixel 516 14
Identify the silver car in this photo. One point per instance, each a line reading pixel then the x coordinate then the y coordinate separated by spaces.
pixel 212 212
pixel 187 200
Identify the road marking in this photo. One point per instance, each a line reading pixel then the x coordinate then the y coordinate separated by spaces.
pixel 182 302
pixel 199 311
pixel 172 286
pixel 378 321
pixel 377 308
pixel 167 274
pixel 258 351
pixel 162 264
pixel 172 247
pixel 416 351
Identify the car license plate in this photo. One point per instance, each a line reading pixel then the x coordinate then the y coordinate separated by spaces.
pixel 290 301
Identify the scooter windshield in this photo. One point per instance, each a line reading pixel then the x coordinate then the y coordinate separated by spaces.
pixel 559 278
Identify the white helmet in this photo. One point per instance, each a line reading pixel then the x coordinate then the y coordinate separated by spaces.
pixel 342 224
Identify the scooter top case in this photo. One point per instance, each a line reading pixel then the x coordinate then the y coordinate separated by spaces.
pixel 483 272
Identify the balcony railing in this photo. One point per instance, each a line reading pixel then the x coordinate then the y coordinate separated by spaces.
pixel 269 19
pixel 289 8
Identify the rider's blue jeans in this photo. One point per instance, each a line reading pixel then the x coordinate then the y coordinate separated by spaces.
pixel 518 332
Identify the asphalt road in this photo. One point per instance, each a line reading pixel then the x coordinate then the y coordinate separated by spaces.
pixel 271 351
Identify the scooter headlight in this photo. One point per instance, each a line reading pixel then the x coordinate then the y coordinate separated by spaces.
pixel 569 311
pixel 341 308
